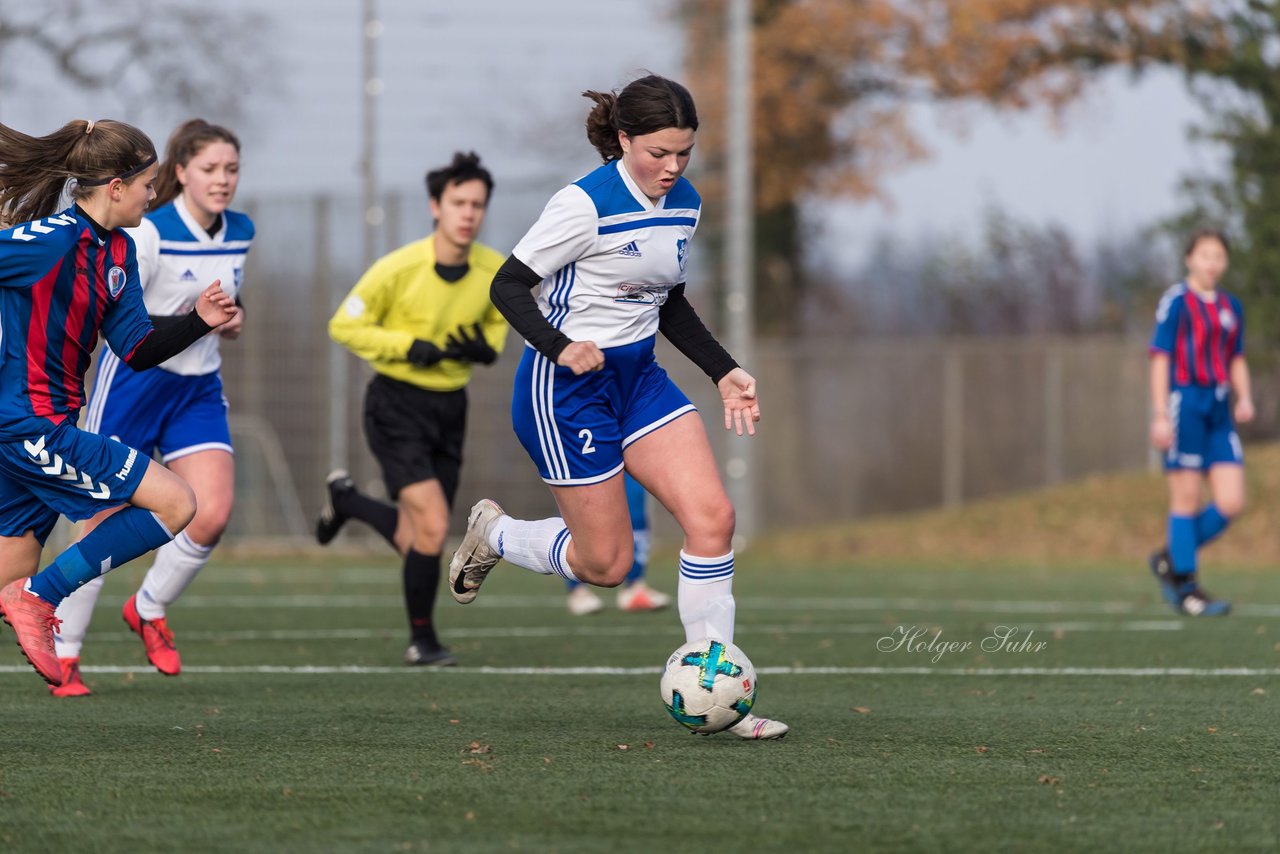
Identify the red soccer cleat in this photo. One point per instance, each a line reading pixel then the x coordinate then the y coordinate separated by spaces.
pixel 156 636
pixel 72 685
pixel 34 623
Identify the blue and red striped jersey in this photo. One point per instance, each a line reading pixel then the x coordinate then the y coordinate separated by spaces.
pixel 1201 336
pixel 60 285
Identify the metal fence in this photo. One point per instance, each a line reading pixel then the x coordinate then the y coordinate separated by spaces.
pixel 850 427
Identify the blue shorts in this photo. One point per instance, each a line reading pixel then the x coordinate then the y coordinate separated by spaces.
pixel 1203 432
pixel 64 471
pixel 576 427
pixel 158 410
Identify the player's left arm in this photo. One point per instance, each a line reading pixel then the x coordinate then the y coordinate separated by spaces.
pixel 1241 382
pixel 680 324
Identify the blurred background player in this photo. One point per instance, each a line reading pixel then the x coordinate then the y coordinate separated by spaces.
pixel 421 317
pixel 1197 364
pixel 634 594
pixel 609 254
pixel 189 236
pixel 65 277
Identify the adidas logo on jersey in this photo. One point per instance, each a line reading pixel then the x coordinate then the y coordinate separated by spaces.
pixel 631 250
pixel 188 276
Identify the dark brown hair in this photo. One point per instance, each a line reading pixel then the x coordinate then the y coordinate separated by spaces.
pixel 646 105
pixel 464 167
pixel 1206 233
pixel 188 140
pixel 34 170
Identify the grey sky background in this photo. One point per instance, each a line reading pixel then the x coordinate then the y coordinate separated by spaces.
pixel 504 79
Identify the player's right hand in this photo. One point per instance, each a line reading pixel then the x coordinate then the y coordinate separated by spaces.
pixel 1161 432
pixel 214 306
pixel 581 357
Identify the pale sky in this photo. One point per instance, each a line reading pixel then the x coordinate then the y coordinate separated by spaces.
pixel 504 79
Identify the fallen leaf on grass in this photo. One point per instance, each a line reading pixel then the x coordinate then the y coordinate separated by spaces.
pixel 1049 780
pixel 1258 692
pixel 648 745
pixel 982 748
pixel 624 747
pixel 477 747
pixel 862 710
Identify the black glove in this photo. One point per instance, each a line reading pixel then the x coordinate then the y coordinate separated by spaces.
pixel 424 353
pixel 469 346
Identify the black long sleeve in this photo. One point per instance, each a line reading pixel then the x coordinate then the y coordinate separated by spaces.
pixel 169 337
pixel 682 327
pixel 511 293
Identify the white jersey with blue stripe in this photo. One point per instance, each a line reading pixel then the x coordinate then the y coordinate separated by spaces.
pixel 178 259
pixel 609 256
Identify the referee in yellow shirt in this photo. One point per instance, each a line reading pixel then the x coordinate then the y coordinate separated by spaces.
pixel 421 316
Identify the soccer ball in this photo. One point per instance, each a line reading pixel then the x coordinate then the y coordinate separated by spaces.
pixel 708 685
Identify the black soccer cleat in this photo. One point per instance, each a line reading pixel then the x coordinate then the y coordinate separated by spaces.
pixel 330 522
pixel 423 654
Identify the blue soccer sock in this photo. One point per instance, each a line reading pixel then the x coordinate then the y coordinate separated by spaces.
pixel 1182 544
pixel 124 535
pixel 1209 524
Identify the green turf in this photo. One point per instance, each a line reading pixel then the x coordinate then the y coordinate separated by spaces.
pixel 913 750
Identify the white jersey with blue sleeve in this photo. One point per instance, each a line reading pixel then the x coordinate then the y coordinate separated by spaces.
pixel 178 259
pixel 609 256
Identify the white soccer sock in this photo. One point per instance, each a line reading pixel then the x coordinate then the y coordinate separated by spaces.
pixel 705 597
pixel 75 612
pixel 541 546
pixel 176 565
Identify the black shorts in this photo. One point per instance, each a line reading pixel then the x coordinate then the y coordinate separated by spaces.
pixel 415 434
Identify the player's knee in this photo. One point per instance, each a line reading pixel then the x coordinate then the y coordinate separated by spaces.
pixel 1231 506
pixel 179 507
pixel 606 565
pixel 210 521
pixel 715 523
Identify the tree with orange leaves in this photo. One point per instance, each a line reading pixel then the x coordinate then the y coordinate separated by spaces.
pixel 833 80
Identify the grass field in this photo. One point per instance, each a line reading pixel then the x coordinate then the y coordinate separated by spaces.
pixel 1102 721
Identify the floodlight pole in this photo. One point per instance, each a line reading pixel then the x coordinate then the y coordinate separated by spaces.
pixel 739 257
pixel 339 363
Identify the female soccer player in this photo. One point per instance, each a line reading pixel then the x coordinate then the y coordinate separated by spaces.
pixel 1197 363
pixel 609 252
pixel 65 277
pixel 188 237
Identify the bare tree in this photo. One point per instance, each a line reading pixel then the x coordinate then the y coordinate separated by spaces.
pixel 145 53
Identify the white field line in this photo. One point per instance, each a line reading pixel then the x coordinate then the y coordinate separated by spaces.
pixel 949 606
pixel 123 636
pixel 447 672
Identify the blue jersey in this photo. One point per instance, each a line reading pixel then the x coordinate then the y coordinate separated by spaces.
pixel 1202 337
pixel 60 285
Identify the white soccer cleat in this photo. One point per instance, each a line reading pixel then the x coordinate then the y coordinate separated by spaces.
pixel 756 727
pixel 475 557
pixel 583 601
pixel 641 597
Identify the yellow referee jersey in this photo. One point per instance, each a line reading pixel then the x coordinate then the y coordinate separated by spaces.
pixel 401 298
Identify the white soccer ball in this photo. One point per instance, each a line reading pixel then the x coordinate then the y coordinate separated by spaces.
pixel 708 685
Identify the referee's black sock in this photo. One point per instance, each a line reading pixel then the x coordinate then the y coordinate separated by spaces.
pixel 421 579
pixel 379 515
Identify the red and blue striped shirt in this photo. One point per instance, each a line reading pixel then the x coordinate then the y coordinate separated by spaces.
pixel 1201 336
pixel 61 284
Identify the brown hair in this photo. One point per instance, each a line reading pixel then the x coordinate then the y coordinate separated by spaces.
pixel 188 140
pixel 645 105
pixel 34 170
pixel 1206 233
